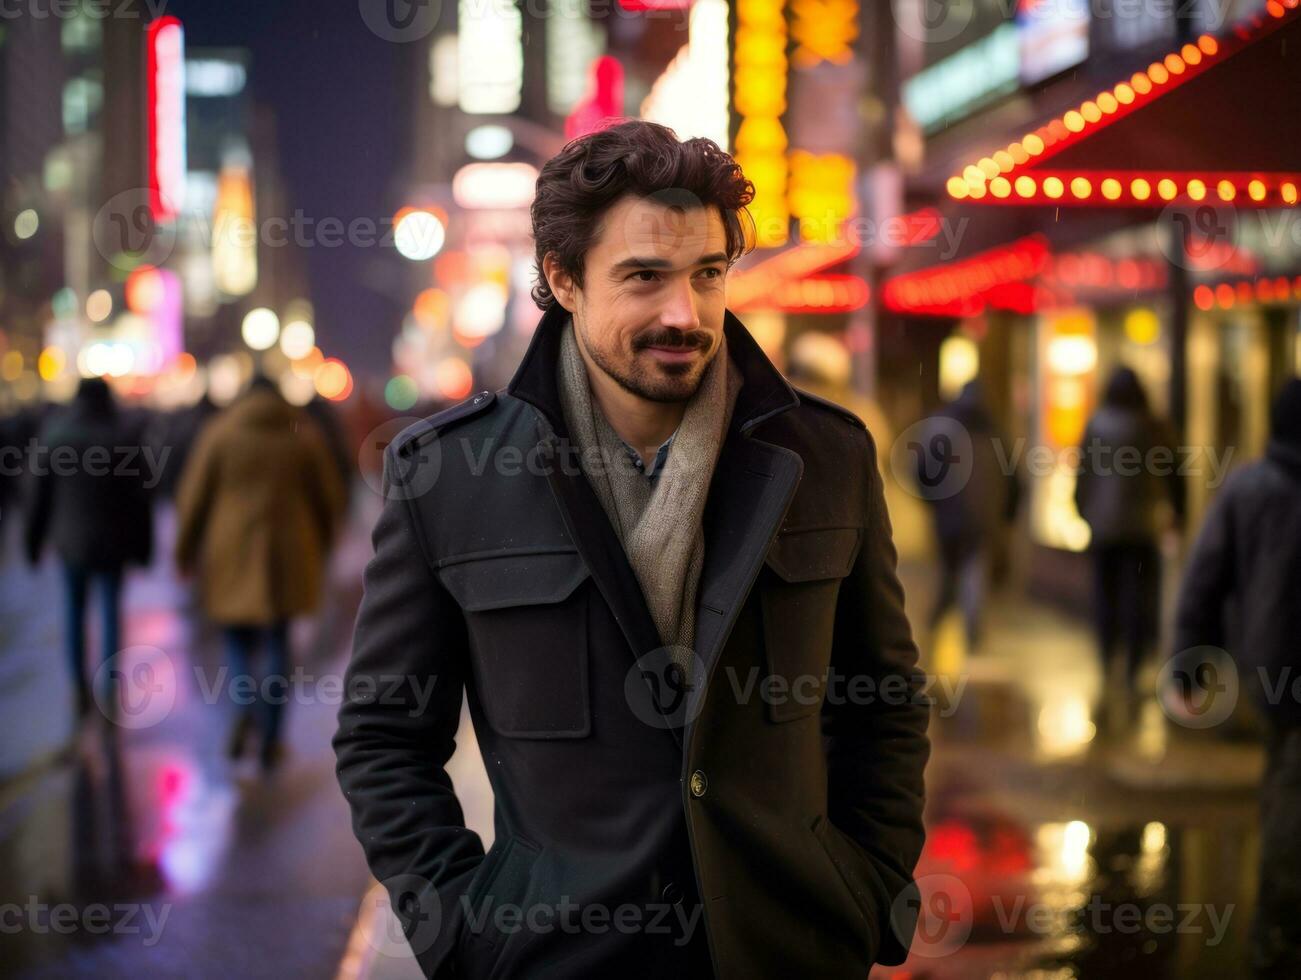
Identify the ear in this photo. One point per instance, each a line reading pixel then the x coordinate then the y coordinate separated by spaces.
pixel 561 283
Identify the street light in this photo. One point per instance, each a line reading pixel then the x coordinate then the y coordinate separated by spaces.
pixel 261 328
pixel 419 235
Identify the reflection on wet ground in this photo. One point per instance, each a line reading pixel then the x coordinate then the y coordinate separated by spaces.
pixel 139 848
pixel 1062 844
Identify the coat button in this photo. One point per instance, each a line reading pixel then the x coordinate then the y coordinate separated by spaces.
pixel 698 783
pixel 672 893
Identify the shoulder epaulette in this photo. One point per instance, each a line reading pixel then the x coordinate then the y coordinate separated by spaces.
pixel 841 410
pixel 420 432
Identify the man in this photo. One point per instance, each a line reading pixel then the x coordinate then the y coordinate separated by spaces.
pixel 1247 561
pixel 969 518
pixel 662 576
pixel 1127 506
pixel 92 499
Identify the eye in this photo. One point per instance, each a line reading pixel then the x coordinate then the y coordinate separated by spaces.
pixel 643 272
pixel 716 272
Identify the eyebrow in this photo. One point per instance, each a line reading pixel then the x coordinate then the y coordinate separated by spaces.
pixel 657 263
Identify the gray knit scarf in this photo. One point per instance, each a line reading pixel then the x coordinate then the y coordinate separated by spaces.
pixel 658 521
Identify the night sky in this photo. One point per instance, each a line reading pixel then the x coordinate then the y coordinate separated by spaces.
pixel 341 125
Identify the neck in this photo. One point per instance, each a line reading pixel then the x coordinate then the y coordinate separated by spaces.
pixel 640 422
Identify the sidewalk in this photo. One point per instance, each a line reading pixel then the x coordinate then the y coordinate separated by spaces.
pixel 1044 829
pixel 1034 693
pixel 34 687
pixel 203 867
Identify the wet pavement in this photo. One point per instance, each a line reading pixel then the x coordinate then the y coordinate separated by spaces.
pixel 140 849
pixel 1056 847
pixel 1059 844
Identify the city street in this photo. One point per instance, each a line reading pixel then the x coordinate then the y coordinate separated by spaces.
pixel 847 454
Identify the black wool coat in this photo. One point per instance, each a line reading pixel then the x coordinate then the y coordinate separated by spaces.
pixel 763 821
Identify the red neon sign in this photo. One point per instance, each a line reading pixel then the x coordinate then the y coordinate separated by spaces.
pixel 165 116
pixel 604 102
pixel 996 278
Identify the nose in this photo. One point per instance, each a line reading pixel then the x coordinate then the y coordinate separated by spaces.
pixel 679 309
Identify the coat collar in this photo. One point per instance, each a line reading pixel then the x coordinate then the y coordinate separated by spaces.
pixel 764 393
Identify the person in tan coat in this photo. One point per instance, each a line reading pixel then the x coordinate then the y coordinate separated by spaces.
pixel 258 505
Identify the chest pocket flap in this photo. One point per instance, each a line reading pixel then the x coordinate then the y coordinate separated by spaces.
pixel 799 614
pixel 526 613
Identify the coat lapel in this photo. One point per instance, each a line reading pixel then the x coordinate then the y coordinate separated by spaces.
pixel 754 484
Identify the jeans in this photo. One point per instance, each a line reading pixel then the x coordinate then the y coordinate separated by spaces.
pixel 963 574
pixel 78 581
pixel 1127 600
pixel 270 687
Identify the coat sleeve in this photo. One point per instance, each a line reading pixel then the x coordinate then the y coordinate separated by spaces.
pixel 396 732
pixel 194 497
pixel 1208 579
pixel 1084 476
pixel 877 747
pixel 40 504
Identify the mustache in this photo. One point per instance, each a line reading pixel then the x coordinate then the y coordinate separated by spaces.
pixel 674 339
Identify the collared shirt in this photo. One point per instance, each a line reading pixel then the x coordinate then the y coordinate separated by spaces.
pixel 656 464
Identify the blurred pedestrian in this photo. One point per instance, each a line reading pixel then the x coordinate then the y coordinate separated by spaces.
pixel 326 416
pixel 258 505
pixel 1248 559
pixel 90 496
pixel 10 469
pixel 968 514
pixel 1126 479
pixel 175 433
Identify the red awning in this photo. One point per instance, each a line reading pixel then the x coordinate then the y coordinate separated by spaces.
pixel 1215 121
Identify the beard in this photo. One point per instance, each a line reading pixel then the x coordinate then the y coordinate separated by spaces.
pixel 640 374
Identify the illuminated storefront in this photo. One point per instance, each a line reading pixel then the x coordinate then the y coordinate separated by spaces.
pixel 1176 260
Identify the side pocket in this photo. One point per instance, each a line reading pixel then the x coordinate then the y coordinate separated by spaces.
pixel 506 880
pixel 849 865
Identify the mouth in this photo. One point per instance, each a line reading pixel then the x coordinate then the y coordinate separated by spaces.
pixel 673 355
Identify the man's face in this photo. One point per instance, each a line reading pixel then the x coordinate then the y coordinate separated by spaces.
pixel 650 312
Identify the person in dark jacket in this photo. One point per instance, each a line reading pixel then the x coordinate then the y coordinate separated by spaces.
pixel 663 577
pixel 1126 482
pixel 1242 593
pixel 968 512
pixel 10 470
pixel 175 434
pixel 91 498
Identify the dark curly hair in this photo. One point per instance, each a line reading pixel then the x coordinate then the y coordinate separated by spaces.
pixel 581 182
